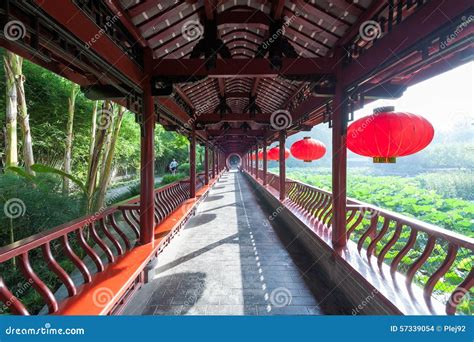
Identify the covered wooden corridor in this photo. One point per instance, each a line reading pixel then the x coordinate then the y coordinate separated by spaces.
pixel 236 77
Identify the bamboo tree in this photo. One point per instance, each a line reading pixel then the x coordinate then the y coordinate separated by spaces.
pixel 108 158
pixel 69 136
pixel 28 155
pixel 11 139
pixel 103 117
pixel 93 129
pixel 108 140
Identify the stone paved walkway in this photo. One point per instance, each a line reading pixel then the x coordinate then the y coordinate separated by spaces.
pixel 226 261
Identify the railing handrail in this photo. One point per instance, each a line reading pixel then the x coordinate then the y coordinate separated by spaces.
pixel 33 241
pixel 312 202
pixel 450 236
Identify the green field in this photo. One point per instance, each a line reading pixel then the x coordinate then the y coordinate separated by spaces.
pixel 443 199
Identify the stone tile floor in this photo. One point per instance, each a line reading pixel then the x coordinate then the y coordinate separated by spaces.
pixel 226 261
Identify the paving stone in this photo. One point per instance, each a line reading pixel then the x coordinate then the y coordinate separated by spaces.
pixel 224 262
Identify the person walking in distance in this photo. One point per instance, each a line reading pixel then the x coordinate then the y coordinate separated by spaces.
pixel 173 166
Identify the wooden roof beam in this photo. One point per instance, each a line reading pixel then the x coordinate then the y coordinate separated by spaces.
pixel 297 67
pixel 209 8
pixel 277 9
pixel 211 118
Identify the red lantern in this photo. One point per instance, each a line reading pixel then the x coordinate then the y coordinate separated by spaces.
pixel 274 153
pixel 260 155
pixel 386 135
pixel 308 149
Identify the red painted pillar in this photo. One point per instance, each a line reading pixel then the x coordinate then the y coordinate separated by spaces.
pixel 213 164
pixel 282 138
pixel 206 165
pixel 192 164
pixel 265 161
pixel 147 166
pixel 339 166
pixel 256 162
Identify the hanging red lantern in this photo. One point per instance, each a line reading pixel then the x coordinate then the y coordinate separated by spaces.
pixel 260 155
pixel 308 149
pixel 274 153
pixel 386 135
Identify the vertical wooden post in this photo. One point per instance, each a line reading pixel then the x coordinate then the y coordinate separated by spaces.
pixel 213 164
pixel 147 164
pixel 265 166
pixel 282 138
pixel 339 166
pixel 206 165
pixel 256 162
pixel 192 164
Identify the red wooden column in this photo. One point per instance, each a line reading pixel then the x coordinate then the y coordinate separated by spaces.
pixel 206 165
pixel 339 165
pixel 256 162
pixel 213 170
pixel 147 164
pixel 264 162
pixel 282 138
pixel 192 164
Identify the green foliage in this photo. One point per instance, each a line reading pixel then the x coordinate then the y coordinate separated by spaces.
pixel 167 179
pixel 184 168
pixel 409 196
pixel 44 205
pixel 450 184
pixel 48 169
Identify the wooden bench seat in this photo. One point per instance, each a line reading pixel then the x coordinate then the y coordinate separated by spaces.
pixel 109 287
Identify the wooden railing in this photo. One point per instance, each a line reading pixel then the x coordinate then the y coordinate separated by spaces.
pixel 423 253
pixel 103 237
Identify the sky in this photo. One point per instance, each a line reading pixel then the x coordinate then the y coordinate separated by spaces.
pixel 447 100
